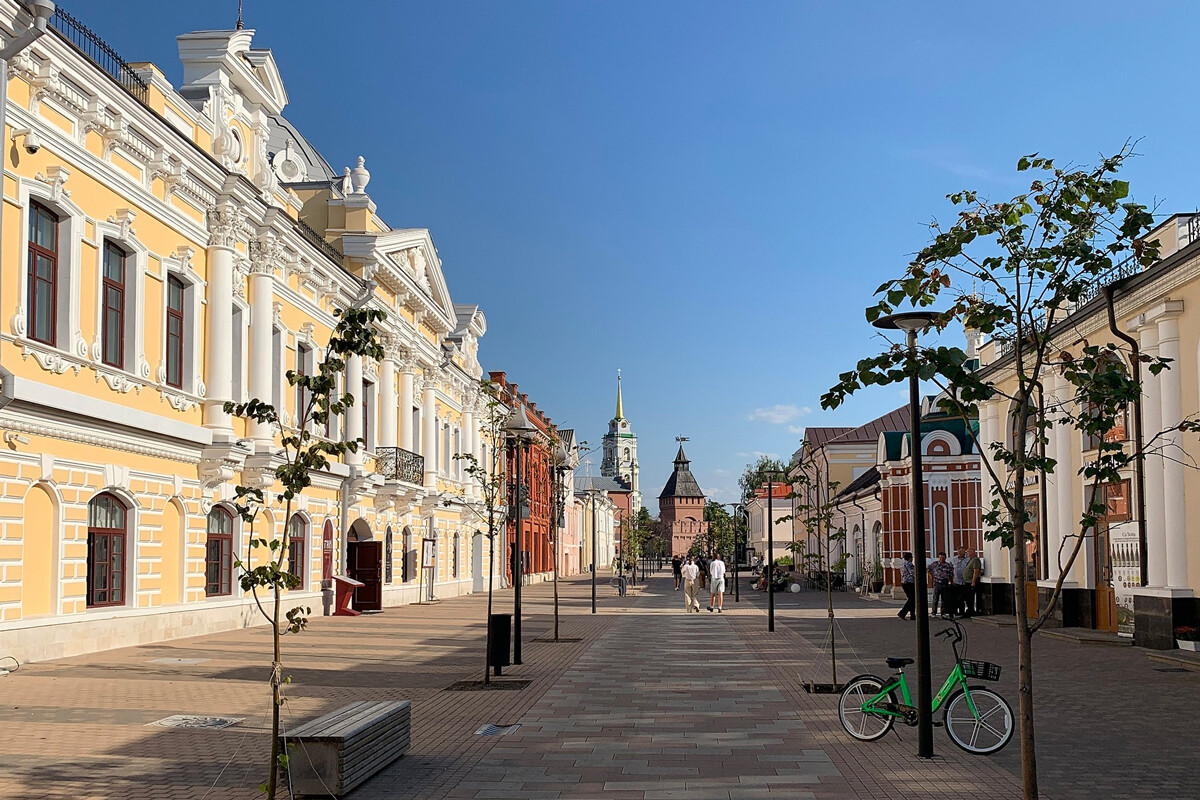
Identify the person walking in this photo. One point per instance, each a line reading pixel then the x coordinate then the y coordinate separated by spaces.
pixel 973 587
pixel 908 578
pixel 716 581
pixel 676 570
pixel 941 575
pixel 691 575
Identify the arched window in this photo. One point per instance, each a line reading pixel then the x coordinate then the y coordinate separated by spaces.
pixel 176 330
pixel 297 535
pixel 327 551
pixel 218 553
pixel 43 275
pixel 112 324
pixel 406 570
pixel 107 518
pixel 387 555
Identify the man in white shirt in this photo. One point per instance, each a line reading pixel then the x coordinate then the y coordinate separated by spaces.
pixel 716 575
pixel 691 576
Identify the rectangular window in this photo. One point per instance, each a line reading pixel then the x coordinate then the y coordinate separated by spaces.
pixel 43 275
pixel 277 371
pixel 1116 501
pixel 113 309
pixel 331 426
pixel 416 429
pixel 176 318
pixel 303 354
pixel 368 416
pixel 218 564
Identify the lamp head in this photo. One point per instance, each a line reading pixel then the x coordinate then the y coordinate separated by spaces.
pixel 518 425
pixel 907 320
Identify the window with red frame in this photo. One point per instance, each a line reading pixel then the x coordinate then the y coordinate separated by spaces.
pixel 297 533
pixel 218 557
pixel 107 534
pixel 42 275
pixel 176 318
pixel 112 325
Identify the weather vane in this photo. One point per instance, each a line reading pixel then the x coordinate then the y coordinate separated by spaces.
pixel 682 439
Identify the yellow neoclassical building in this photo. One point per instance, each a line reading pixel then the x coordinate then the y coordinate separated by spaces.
pixel 165 250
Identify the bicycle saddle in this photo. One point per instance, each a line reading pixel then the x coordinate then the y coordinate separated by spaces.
pixel 897 663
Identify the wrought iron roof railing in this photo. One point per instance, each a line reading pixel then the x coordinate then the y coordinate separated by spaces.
pixel 398 464
pixel 99 52
pixel 318 241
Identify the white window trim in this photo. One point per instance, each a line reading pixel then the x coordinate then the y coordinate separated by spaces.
pixel 241 319
pixel 136 261
pixel 133 546
pixel 193 389
pixel 72 223
pixel 235 543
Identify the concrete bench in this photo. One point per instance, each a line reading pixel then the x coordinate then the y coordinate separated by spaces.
pixel 330 755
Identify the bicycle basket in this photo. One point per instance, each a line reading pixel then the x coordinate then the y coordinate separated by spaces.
pixel 984 670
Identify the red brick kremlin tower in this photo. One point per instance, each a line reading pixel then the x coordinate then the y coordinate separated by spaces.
pixel 681 506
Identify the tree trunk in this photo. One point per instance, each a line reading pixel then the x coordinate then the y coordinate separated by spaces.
pixel 1024 645
pixel 487 655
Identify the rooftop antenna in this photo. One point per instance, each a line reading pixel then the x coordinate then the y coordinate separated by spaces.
pixel 240 24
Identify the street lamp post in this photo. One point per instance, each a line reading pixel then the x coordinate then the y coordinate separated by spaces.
pixel 593 494
pixel 519 430
pixel 911 322
pixel 561 461
pixel 770 549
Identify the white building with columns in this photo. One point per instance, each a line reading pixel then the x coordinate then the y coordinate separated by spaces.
pixel 1117 584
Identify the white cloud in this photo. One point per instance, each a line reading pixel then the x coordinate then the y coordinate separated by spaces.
pixel 796 429
pixel 779 414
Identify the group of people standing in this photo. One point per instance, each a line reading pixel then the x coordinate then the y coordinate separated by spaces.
pixel 691 575
pixel 957 588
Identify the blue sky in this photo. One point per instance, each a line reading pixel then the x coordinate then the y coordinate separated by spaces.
pixel 703 194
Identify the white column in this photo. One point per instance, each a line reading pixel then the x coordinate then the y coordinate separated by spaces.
pixel 1067 522
pixel 468 444
pixel 406 404
pixel 224 225
pixel 262 326
pixel 1156 543
pixel 429 436
pixel 354 414
pixel 387 401
pixel 1174 501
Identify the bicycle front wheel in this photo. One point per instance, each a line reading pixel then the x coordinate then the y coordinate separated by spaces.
pixel 982 731
pixel 866 726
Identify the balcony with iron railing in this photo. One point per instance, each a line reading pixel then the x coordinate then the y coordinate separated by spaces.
pixel 398 464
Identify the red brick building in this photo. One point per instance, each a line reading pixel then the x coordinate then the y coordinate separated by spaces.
pixel 538 478
pixel 681 506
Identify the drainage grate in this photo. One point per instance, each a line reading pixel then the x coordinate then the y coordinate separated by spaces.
pixel 561 640
pixel 480 686
pixel 179 660
pixel 1171 669
pixel 496 730
pixel 195 721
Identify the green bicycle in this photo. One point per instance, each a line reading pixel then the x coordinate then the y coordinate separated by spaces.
pixel 976 719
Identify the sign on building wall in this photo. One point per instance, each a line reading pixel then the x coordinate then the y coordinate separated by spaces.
pixel 1125 556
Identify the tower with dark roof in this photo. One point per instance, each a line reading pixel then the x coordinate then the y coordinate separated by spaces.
pixel 620 452
pixel 681 506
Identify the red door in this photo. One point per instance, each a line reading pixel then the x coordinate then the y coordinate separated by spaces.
pixel 366 565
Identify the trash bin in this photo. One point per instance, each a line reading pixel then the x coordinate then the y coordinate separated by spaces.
pixel 500 634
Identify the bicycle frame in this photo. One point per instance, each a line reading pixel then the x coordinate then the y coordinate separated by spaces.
pixel 876 704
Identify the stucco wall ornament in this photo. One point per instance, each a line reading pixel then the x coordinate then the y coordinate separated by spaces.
pixel 55 177
pixel 123 219
pixel 226 224
pixel 360 177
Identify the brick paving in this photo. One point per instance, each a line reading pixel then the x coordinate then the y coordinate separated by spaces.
pixel 650 703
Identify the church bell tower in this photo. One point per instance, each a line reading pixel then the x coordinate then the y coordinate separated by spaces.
pixel 620 451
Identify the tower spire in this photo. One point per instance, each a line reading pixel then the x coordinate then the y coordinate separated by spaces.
pixel 620 410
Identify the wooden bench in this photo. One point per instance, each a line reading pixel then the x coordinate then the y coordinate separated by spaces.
pixel 330 755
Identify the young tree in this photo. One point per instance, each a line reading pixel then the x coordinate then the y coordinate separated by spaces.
pixel 1015 269
pixel 488 475
pixel 302 454
pixel 823 548
pixel 719 538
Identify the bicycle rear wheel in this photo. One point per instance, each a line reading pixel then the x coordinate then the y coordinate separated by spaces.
pixel 866 726
pixel 983 732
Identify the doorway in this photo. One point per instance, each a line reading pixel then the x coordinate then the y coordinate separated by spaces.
pixel 1116 510
pixel 365 557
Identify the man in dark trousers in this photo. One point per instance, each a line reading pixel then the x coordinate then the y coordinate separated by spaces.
pixel 677 570
pixel 908 577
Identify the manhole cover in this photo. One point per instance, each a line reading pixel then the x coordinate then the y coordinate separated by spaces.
pixel 480 686
pixel 195 721
pixel 496 730
pixel 179 661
